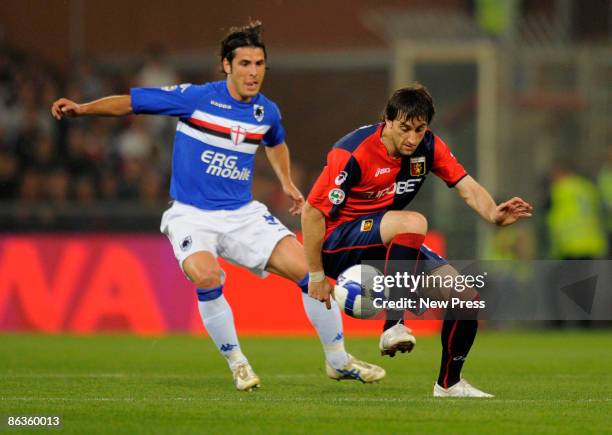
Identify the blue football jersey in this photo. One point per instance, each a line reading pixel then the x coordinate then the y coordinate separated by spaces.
pixel 216 140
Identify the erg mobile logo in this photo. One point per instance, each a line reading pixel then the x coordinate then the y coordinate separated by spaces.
pixel 224 166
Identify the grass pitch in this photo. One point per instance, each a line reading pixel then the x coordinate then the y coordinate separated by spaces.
pixel 545 382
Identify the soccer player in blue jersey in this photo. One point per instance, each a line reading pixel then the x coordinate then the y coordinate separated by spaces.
pixel 221 125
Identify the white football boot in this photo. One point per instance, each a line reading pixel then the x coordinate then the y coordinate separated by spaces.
pixel 460 389
pixel 396 338
pixel 356 370
pixel 245 378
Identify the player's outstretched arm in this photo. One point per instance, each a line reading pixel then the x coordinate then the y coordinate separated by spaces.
pixel 481 201
pixel 116 105
pixel 313 230
pixel 281 163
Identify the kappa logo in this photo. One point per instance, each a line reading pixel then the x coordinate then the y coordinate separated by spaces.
pixel 258 112
pixel 336 196
pixel 237 134
pixel 270 220
pixel 220 105
pixel 186 244
pixel 367 225
pixel 227 347
pixel 341 178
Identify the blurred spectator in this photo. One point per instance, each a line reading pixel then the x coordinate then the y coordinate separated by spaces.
pixel 574 218
pixel 97 145
pixel 57 184
pixel 576 230
pixel 135 142
pixel 156 72
pixel 55 172
pixel 30 187
pixel 78 160
pixel 132 171
pixel 496 17
pixel 44 154
pixel 604 181
pixel 512 243
pixel 151 188
pixel 90 84
pixel 109 186
pixel 9 181
pixel 29 195
pixel 84 191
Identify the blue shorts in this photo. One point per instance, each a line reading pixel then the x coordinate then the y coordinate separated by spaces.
pixel 360 240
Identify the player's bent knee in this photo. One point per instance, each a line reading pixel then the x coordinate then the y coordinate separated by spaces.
pixel 407 222
pixel 204 274
pixel 288 260
pixel 208 281
pixel 414 223
pixel 206 277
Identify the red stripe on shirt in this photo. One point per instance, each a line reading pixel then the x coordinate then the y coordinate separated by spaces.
pixel 222 129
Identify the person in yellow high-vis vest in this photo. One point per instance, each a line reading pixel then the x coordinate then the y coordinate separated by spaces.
pixel 604 182
pixel 574 220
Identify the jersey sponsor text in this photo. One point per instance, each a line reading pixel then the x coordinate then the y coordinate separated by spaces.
pixel 224 166
pixel 399 188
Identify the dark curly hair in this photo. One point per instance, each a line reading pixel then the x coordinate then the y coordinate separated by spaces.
pixel 245 36
pixel 413 101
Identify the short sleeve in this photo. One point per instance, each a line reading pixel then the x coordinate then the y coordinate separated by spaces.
pixel 335 181
pixel 179 100
pixel 276 134
pixel 445 165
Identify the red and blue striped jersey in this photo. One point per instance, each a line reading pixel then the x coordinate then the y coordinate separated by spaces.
pixel 360 177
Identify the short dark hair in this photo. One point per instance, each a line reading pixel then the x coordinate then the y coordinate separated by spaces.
pixel 413 101
pixel 245 36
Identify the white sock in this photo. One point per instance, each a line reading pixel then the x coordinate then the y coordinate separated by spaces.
pixel 219 322
pixel 328 324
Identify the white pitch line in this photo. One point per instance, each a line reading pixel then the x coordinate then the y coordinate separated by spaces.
pixel 284 399
pixel 136 376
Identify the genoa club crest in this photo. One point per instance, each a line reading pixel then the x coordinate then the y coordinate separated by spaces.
pixel 417 166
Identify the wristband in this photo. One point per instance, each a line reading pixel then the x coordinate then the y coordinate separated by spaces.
pixel 316 276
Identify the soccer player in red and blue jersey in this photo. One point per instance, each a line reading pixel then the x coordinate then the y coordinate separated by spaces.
pixel 355 212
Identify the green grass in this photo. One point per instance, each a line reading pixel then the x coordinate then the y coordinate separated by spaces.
pixel 545 382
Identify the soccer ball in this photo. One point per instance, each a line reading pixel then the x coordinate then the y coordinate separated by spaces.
pixel 359 293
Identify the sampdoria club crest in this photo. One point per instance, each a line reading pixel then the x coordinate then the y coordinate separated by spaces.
pixel 258 112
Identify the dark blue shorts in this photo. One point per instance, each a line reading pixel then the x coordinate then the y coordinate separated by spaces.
pixel 359 240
